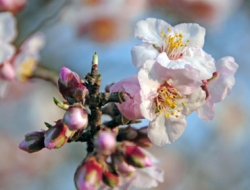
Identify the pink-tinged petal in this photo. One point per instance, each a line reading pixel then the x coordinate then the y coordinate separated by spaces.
pixel 164 130
pixel 201 61
pixel 147 109
pixel 148 177
pixel 193 32
pixel 8 30
pixel 131 107
pixel 219 87
pixel 184 80
pixel 7 51
pixel 7 71
pixel 207 111
pixel 149 80
pixel 32 46
pixel 149 30
pixel 13 6
pixel 141 53
pixel 194 101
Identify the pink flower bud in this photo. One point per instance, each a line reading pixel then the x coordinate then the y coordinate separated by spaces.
pixel 13 6
pixel 7 71
pixel 136 157
pixel 70 86
pixel 105 143
pixel 123 167
pixel 131 107
pixel 57 136
pixel 76 118
pixel 88 175
pixel 110 178
pixel 33 142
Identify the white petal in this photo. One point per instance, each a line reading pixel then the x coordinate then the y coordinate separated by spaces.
pixel 201 61
pixel 148 177
pixel 220 87
pixel 148 79
pixel 33 45
pixel 184 80
pixel 193 32
pixel 7 51
pixel 164 130
pixel 147 109
pixel 149 30
pixel 207 111
pixel 7 27
pixel 141 53
pixel 194 101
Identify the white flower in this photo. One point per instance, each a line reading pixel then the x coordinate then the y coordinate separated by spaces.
pixel 182 44
pixel 168 96
pixel 218 87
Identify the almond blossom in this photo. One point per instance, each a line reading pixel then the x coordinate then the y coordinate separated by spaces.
pixel 131 108
pixel 218 87
pixel 168 96
pixel 20 64
pixel 182 44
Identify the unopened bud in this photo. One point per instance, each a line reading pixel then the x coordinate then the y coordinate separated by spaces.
pixel 7 71
pixel 70 85
pixel 76 118
pixel 105 143
pixel 123 167
pixel 110 178
pixel 88 175
pixel 142 139
pixel 13 6
pixel 33 142
pixel 57 135
pixel 136 157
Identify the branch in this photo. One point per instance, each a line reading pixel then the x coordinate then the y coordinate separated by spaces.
pixel 45 74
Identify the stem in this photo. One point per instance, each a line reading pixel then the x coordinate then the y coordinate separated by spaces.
pixel 45 74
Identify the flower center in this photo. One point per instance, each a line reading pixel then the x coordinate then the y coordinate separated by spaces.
pixel 173 44
pixel 26 69
pixel 168 101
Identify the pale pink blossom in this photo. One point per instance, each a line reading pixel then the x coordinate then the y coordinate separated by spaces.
pixel 104 21
pixel 209 13
pixel 175 47
pixel 218 87
pixel 131 107
pixel 168 96
pixel 22 63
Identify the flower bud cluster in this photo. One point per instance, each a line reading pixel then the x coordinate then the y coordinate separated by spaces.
pixel 74 121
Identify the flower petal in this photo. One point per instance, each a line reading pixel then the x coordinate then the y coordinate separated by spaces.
pixel 8 30
pixel 220 86
pixel 194 101
pixel 7 51
pixel 141 53
pixel 164 130
pixel 149 30
pixel 207 111
pixel 193 32
pixel 201 61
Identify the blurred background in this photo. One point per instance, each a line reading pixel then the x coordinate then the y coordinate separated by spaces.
pixel 209 155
